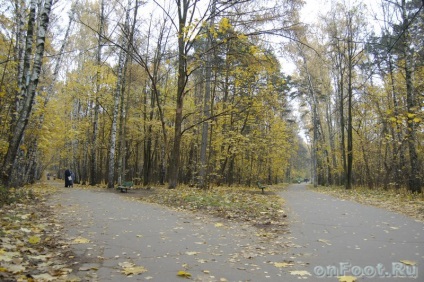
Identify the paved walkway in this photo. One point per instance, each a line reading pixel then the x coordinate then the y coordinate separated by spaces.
pixel 337 237
pixel 110 231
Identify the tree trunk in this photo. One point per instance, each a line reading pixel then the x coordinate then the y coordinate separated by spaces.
pixel 27 90
pixel 206 104
pixel 183 7
pixel 93 145
pixel 348 184
pixel 415 181
pixel 117 97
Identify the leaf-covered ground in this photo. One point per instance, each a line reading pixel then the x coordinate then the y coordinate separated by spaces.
pixel 31 247
pixel 400 201
pixel 265 211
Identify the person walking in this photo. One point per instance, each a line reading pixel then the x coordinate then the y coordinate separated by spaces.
pixel 68 178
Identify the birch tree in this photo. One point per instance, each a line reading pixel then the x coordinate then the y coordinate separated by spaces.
pixel 117 95
pixel 28 84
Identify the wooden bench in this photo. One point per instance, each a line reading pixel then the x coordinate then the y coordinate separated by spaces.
pixel 260 186
pixel 125 186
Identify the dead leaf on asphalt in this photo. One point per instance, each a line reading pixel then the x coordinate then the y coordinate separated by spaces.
pixel 284 264
pixel 408 262
pixel 183 273
pixel 129 268
pixel 325 242
pixel 347 278
pixel 192 253
pixel 300 273
pixel 81 240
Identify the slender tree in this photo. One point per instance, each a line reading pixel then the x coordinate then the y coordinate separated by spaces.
pixel 28 85
pixel 117 96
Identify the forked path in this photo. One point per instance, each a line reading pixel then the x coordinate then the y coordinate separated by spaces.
pixel 338 237
pixel 111 231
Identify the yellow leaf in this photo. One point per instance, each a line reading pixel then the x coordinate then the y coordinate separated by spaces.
pixel 81 240
pixel 184 274
pixel 219 224
pixel 135 270
pixel 300 273
pixel 408 262
pixel 417 120
pixel 347 278
pixel 34 240
pixel 283 264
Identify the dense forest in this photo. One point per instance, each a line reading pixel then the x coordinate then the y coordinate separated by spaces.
pixel 194 92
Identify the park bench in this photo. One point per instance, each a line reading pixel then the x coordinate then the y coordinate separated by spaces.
pixel 260 186
pixel 125 186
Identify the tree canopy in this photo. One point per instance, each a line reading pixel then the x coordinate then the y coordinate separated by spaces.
pixel 194 92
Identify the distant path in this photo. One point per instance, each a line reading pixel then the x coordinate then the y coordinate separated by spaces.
pixel 331 234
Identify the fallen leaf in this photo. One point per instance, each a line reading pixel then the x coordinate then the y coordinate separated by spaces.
pixel 408 262
pixel 325 242
pixel 128 268
pixel 81 240
pixel 135 270
pixel 219 224
pixel 8 256
pixel 283 264
pixel 192 253
pixel 347 278
pixel 300 273
pixel 184 274
pixel 34 240
pixel 14 268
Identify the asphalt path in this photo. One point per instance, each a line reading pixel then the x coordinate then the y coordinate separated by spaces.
pixel 327 238
pixel 336 237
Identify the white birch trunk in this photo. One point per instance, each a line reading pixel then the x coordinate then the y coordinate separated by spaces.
pixel 28 89
pixel 116 99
